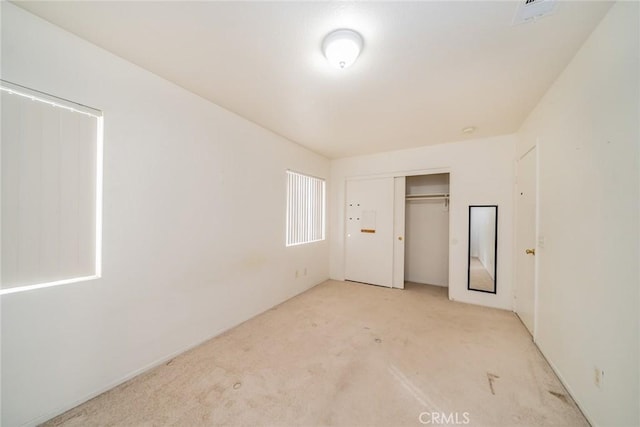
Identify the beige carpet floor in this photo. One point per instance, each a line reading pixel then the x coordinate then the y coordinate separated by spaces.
pixel 352 355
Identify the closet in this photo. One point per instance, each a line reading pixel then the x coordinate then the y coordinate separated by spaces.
pixel 426 259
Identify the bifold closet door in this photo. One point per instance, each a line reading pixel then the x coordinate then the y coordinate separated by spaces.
pixel 369 244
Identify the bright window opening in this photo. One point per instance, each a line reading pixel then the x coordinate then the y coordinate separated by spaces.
pixel 305 208
pixel 51 190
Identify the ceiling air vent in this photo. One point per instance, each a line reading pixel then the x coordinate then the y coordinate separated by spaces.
pixel 532 10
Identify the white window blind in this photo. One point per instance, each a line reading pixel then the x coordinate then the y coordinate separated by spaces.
pixel 305 208
pixel 51 190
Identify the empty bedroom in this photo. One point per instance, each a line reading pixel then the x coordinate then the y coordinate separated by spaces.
pixel 320 213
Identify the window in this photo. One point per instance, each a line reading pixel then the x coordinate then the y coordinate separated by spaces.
pixel 305 208
pixel 51 190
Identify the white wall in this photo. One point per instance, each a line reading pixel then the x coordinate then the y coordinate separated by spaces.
pixel 588 292
pixel 194 217
pixel 482 172
pixel 426 233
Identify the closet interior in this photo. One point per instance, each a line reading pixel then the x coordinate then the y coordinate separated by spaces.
pixel 427 229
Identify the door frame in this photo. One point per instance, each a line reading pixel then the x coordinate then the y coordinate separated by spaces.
pixel 399 230
pixel 398 174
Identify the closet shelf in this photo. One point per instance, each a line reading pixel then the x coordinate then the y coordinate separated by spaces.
pixel 427 196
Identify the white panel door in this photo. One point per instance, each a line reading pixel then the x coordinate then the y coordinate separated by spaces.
pixel 526 240
pixel 369 231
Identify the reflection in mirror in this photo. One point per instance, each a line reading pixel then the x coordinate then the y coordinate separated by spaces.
pixel 483 253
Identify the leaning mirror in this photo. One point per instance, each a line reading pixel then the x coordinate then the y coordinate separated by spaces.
pixel 483 248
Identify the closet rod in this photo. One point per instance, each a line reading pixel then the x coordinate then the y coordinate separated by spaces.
pixel 427 196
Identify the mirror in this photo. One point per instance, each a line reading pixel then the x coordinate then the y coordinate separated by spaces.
pixel 483 248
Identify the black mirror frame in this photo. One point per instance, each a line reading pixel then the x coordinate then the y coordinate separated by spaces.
pixel 495 248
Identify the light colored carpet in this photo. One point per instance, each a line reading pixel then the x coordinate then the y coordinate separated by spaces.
pixel 353 355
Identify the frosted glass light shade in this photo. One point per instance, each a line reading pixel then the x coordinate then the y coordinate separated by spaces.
pixel 342 47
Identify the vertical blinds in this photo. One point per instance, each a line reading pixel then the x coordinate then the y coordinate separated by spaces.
pixel 51 151
pixel 305 208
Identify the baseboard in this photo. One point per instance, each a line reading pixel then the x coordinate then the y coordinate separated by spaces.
pixel 556 371
pixel 41 419
pixel 117 382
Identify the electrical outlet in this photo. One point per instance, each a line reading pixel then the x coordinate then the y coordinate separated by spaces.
pixel 305 271
pixel 297 274
pixel 598 377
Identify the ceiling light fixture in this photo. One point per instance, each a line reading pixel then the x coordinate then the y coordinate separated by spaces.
pixel 342 47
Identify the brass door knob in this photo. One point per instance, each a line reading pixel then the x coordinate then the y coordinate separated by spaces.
pixel 530 251
pixel 399 237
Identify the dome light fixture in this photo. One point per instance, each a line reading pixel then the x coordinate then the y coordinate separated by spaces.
pixel 342 47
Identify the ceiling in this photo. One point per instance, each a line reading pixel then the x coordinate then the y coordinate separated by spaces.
pixel 428 69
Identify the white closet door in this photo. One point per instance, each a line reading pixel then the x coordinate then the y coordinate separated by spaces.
pixel 369 240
